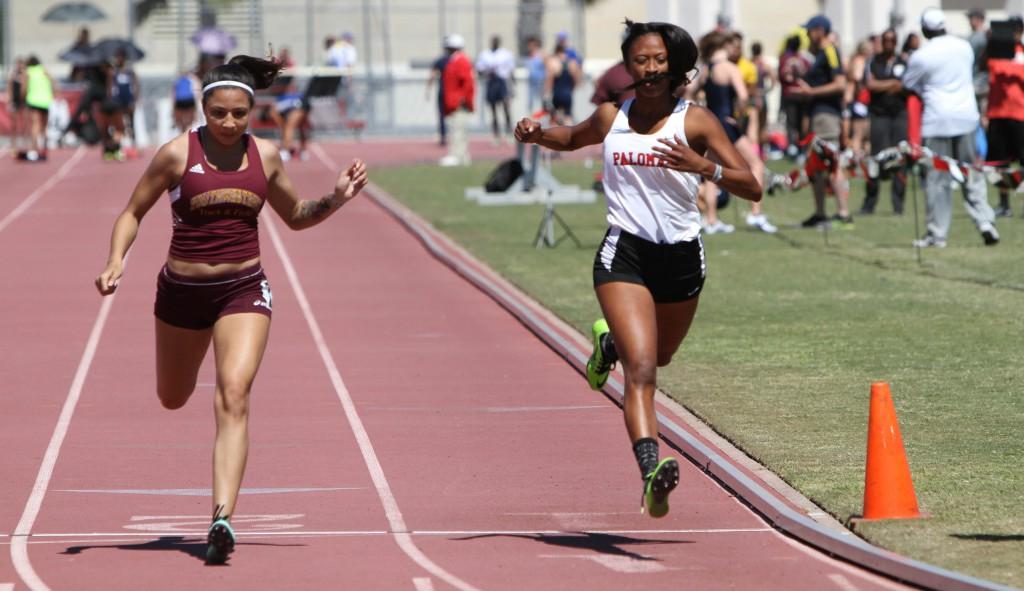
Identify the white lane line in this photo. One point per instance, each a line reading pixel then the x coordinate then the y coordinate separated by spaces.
pixel 420 583
pixel 842 582
pixel 35 195
pixel 19 546
pixel 620 564
pixel 199 492
pixel 387 498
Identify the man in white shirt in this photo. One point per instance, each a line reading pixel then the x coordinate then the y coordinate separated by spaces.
pixel 496 66
pixel 342 54
pixel 941 74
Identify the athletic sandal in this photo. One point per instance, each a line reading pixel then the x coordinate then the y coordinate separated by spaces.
pixel 220 540
pixel 657 485
pixel 599 363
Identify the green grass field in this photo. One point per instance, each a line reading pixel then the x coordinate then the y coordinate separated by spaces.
pixel 790 334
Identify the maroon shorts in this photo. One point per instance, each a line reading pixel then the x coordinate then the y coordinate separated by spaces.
pixel 197 303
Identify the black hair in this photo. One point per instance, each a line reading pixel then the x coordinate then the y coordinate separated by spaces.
pixel 755 48
pixel 254 72
pixel 682 51
pixel 32 60
pixel 793 43
pixel 906 42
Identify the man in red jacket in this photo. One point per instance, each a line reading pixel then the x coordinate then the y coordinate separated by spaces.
pixel 459 88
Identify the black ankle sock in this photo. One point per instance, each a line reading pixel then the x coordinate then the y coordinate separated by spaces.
pixel 646 452
pixel 218 514
pixel 608 348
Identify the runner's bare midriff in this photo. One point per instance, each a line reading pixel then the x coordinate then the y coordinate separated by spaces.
pixel 197 269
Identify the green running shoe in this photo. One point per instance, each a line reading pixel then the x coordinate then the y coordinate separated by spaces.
pixel 600 362
pixel 220 542
pixel 657 485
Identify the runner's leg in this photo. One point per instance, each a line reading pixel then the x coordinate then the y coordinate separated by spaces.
pixel 239 341
pixel 179 353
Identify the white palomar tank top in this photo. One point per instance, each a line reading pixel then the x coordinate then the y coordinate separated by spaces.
pixel 644 197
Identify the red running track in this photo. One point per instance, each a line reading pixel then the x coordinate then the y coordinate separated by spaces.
pixel 407 433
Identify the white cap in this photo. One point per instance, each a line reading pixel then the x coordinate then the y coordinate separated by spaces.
pixel 933 19
pixel 454 41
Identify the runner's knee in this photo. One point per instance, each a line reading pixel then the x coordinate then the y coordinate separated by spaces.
pixel 173 398
pixel 641 373
pixel 233 398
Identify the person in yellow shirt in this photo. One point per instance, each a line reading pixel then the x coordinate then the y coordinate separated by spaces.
pixel 38 98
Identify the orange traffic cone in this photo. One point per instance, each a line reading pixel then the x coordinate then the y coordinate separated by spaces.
pixel 888 491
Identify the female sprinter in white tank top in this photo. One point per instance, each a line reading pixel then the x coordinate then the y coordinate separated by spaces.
pixel 649 269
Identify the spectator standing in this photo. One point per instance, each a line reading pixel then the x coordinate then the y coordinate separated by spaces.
pixel 496 66
pixel 213 43
pixel 766 81
pixel 185 93
pixel 823 85
pixel 79 71
pixel 437 76
pixel 978 38
pixel 16 106
pixel 342 53
pixel 914 107
pixel 38 98
pixel 747 110
pixel 124 92
pixel 1006 112
pixel 888 110
pixel 459 91
pixel 793 65
pixel 613 86
pixel 562 38
pixel 940 72
pixel 857 97
pixel 562 77
pixel 536 72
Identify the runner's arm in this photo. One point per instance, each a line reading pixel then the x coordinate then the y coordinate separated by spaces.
pixel 566 138
pixel 299 214
pixel 164 171
pixel 705 134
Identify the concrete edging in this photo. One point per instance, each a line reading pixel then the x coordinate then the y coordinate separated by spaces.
pixel 841 544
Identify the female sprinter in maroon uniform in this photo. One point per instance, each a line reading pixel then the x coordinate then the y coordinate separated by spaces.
pixel 649 270
pixel 212 286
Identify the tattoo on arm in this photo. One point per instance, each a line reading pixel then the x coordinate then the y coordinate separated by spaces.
pixel 317 209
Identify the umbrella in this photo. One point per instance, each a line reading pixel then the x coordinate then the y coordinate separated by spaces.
pixel 73 12
pixel 108 47
pixel 81 56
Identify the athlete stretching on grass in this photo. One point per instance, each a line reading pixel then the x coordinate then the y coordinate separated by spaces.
pixel 649 269
pixel 212 286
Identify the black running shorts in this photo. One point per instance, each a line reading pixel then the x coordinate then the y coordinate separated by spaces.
pixel 671 272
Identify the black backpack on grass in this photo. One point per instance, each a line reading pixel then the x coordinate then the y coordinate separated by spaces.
pixel 502 177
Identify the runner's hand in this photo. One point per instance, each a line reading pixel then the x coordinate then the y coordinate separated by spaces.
pixel 350 181
pixel 528 131
pixel 678 156
pixel 107 282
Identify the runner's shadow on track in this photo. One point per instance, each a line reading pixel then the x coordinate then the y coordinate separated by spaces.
pixel 989 537
pixel 195 549
pixel 608 544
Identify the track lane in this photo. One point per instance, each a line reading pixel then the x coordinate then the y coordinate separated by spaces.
pixel 491 505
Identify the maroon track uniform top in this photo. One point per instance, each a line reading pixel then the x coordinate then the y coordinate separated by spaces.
pixel 215 212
